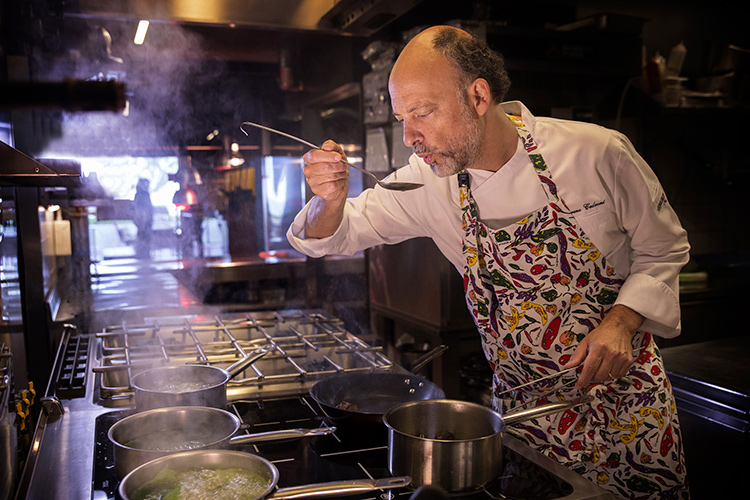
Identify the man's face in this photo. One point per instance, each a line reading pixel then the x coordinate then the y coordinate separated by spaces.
pixel 439 124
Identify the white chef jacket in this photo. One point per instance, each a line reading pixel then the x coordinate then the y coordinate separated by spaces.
pixel 615 196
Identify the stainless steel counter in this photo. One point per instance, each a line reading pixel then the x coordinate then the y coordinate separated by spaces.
pixel 61 460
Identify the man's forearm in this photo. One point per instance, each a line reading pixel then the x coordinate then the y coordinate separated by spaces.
pixel 323 217
pixel 623 318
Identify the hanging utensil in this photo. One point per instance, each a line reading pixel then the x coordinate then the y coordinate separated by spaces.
pixel 392 185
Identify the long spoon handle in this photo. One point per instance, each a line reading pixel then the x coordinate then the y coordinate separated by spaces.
pixel 393 185
pixel 306 143
pixel 289 136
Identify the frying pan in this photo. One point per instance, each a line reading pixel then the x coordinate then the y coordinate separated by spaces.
pixel 189 385
pixel 269 474
pixel 357 401
pixel 146 435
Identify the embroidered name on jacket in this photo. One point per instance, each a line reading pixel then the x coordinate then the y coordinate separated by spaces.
pixel 589 206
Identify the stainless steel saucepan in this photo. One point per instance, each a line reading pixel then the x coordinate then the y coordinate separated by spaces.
pixel 266 473
pixel 455 445
pixel 144 436
pixel 189 385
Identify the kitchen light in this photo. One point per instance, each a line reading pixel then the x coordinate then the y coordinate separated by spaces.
pixel 236 159
pixel 184 198
pixel 140 33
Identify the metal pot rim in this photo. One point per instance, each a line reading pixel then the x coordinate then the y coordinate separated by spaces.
pixel 195 458
pixel 352 378
pixel 443 402
pixel 135 417
pixel 144 374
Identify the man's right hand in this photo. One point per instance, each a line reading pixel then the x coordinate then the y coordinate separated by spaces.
pixel 326 175
pixel 328 178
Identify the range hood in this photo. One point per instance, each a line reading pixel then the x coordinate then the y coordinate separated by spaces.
pixel 349 17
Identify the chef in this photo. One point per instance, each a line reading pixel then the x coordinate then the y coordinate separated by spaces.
pixel 568 248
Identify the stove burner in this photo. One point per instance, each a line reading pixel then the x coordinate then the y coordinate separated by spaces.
pixel 331 458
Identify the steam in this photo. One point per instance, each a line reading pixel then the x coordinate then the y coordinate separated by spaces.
pixel 159 77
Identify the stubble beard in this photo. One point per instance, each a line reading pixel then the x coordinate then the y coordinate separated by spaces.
pixel 461 151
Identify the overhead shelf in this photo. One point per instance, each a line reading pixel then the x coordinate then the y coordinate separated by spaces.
pixel 18 169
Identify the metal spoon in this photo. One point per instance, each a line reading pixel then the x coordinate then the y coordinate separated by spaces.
pixel 392 185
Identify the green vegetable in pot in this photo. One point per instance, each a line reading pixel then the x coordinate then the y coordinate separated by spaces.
pixel 200 484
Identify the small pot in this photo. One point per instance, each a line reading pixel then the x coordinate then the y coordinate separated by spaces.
pixel 225 459
pixel 144 436
pixel 188 385
pixel 455 445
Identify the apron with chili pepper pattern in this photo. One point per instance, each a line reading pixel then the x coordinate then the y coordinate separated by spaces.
pixel 535 289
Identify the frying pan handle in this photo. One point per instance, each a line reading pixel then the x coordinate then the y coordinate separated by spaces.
pixel 339 488
pixel 248 360
pixel 543 410
pixel 261 437
pixel 426 358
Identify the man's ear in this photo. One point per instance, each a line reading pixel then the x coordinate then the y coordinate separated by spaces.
pixel 480 95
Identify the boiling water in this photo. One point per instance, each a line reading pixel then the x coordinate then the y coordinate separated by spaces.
pixel 176 386
pixel 168 440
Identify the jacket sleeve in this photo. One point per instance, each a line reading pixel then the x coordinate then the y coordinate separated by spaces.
pixel 377 216
pixel 658 244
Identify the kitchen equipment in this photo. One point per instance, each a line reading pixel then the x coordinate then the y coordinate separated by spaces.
pixel 224 459
pixel 392 185
pixel 357 401
pixel 309 345
pixel 455 445
pixel 189 385
pixel 144 436
pixel 74 458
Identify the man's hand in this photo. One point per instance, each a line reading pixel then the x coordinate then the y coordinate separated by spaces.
pixel 326 175
pixel 607 351
pixel 328 178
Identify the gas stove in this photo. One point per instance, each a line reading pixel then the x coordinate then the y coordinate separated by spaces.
pixel 73 453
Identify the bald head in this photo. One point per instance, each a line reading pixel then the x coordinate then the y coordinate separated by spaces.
pixel 469 57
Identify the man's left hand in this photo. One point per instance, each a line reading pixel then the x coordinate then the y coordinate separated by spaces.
pixel 607 351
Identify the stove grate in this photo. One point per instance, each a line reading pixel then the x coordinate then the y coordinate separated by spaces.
pixel 307 345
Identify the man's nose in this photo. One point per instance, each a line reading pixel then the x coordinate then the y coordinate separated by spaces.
pixel 412 137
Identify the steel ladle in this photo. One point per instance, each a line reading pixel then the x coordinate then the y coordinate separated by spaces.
pixel 392 185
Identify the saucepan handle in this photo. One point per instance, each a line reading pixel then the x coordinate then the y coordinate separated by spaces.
pixel 426 358
pixel 543 410
pixel 261 437
pixel 339 488
pixel 242 364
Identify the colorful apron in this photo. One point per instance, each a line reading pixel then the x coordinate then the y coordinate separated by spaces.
pixel 535 289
